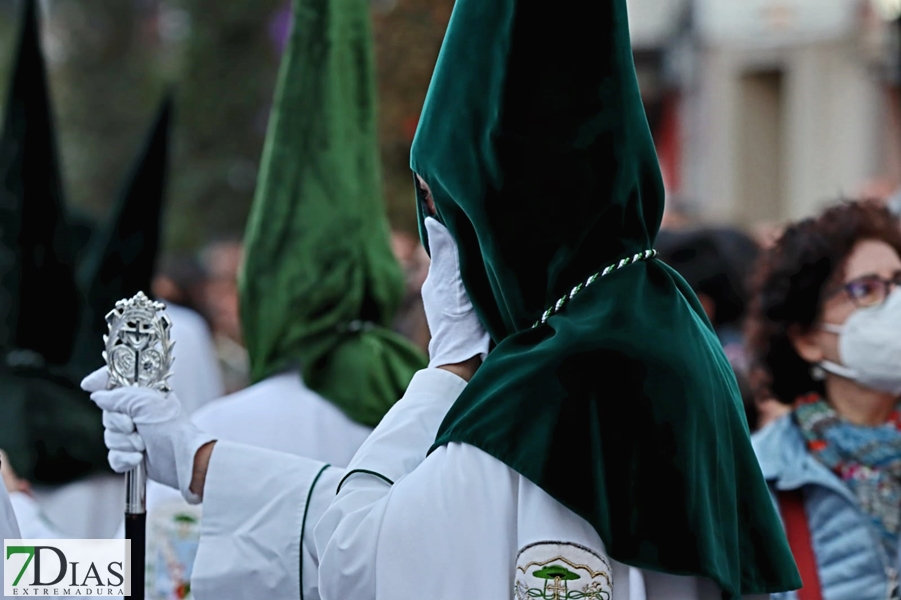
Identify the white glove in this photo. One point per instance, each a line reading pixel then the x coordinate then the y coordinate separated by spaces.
pixel 126 447
pixel 457 333
pixel 138 420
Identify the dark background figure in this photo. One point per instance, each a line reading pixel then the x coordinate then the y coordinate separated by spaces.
pixel 410 321
pixel 181 279
pixel 221 261
pixel 716 262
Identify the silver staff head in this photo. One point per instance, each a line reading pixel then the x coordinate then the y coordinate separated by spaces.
pixel 138 346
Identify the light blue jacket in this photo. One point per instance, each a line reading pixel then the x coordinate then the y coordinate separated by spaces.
pixel 853 564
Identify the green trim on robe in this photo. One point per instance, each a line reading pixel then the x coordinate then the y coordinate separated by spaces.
pixel 320 285
pixel 623 407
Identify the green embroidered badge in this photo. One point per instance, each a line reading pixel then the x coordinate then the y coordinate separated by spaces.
pixel 562 571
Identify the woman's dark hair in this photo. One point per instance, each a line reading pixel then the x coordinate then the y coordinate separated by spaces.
pixel 787 289
pixel 715 262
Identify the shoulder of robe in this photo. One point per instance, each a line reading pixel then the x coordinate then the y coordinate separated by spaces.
pixel 554 569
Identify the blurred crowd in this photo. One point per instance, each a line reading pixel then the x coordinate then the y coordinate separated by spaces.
pixel 722 265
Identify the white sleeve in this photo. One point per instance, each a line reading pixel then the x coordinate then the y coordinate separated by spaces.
pixel 33 525
pixel 8 524
pixel 254 519
pixel 347 535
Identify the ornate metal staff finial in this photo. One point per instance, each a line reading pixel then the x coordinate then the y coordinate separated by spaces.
pixel 138 353
pixel 138 347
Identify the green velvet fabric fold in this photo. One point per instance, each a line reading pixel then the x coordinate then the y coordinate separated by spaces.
pixel 320 285
pixel 622 406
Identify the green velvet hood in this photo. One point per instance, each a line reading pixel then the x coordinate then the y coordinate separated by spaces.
pixel 51 430
pixel 320 285
pixel 610 392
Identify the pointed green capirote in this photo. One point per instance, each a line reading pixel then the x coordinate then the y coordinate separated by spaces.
pixel 50 429
pixel 121 260
pixel 320 286
pixel 535 145
pixel 39 304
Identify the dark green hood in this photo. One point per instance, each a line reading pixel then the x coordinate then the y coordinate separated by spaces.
pixel 320 285
pixel 534 142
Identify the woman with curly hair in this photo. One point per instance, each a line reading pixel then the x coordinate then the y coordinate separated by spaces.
pixel 825 337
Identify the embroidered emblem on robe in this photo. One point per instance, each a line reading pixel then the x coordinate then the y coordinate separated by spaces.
pixel 561 571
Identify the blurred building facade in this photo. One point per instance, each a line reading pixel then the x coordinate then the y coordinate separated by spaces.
pixel 764 109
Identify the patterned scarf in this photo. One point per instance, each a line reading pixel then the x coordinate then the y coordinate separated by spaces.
pixel 867 459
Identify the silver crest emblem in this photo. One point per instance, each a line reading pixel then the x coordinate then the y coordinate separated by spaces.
pixel 138 346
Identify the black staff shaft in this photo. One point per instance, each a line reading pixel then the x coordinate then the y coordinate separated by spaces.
pixel 136 531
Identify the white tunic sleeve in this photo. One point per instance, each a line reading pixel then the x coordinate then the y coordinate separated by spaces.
pixel 9 527
pixel 255 515
pixel 348 534
pixel 33 525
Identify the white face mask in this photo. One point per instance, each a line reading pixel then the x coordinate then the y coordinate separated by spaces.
pixel 869 345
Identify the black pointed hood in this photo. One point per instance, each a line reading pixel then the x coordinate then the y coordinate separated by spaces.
pixel 50 429
pixel 121 259
pixel 36 257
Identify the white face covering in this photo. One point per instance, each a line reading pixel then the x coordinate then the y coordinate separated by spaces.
pixel 869 345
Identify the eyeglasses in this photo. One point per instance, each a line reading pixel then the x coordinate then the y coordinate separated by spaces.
pixel 871 290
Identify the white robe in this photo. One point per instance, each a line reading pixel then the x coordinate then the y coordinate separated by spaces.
pixel 85 509
pixel 457 524
pixel 196 375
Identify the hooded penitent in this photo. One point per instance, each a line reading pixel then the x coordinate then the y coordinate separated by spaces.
pixel 607 386
pixel 320 285
pixel 49 427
